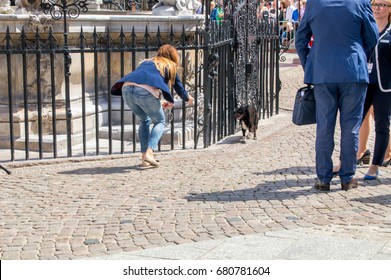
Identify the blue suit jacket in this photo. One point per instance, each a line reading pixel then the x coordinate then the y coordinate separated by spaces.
pixel 343 30
pixel 147 73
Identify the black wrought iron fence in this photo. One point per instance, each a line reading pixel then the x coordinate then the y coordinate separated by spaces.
pixel 218 67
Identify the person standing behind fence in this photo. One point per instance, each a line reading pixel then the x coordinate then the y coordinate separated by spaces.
pixel 336 65
pixel 379 88
pixel 302 8
pixel 263 11
pixel 217 13
pixel 213 11
pixel 292 14
pixel 273 10
pixel 291 19
pixel 141 89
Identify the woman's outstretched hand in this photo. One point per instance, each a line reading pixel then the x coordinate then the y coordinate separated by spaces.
pixel 191 100
pixel 167 105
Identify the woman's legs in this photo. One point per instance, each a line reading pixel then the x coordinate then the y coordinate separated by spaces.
pixel 152 107
pixel 149 110
pixel 382 111
pixel 365 130
pixel 387 156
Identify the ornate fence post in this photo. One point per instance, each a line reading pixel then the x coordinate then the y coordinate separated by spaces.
pixel 61 9
pixel 206 79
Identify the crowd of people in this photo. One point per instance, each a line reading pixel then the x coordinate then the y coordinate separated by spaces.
pixel 288 10
pixel 287 13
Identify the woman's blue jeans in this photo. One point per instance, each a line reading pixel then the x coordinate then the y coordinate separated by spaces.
pixel 149 110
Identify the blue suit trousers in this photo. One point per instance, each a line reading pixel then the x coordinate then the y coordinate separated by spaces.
pixel 348 99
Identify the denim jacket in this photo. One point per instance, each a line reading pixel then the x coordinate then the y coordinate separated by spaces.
pixel 147 73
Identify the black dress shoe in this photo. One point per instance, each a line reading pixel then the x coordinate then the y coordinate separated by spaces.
pixel 322 186
pixel 366 157
pixel 352 184
pixel 387 163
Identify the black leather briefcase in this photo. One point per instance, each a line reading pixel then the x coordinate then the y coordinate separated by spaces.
pixel 304 110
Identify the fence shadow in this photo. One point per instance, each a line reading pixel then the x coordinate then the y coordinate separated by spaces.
pixel 100 170
pixel 230 140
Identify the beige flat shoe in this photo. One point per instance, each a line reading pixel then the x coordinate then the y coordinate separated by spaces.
pixel 145 165
pixel 151 161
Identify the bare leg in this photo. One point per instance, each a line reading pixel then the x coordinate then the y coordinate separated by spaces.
pixel 364 134
pixel 148 157
pixel 337 167
pixel 387 156
pixel 373 170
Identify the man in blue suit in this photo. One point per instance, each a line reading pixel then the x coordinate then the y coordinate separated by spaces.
pixel 343 30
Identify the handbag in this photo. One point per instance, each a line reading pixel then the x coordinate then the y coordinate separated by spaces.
pixel 304 110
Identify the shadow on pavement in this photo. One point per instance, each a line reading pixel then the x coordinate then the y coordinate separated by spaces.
pixel 265 191
pixel 101 170
pixel 234 139
pixel 294 170
pixel 380 199
pixel 274 190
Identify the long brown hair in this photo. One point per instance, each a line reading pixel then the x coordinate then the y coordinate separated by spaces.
pixel 167 62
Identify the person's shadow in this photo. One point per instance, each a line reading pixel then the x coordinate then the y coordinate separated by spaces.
pixel 380 199
pixel 271 190
pixel 284 189
pixel 295 170
pixel 101 170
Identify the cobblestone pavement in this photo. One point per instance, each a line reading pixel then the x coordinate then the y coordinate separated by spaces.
pixel 78 208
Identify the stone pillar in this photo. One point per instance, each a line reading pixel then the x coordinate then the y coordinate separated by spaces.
pixel 93 5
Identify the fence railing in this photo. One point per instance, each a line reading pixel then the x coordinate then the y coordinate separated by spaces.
pixel 35 125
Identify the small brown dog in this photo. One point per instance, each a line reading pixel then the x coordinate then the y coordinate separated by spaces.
pixel 248 118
